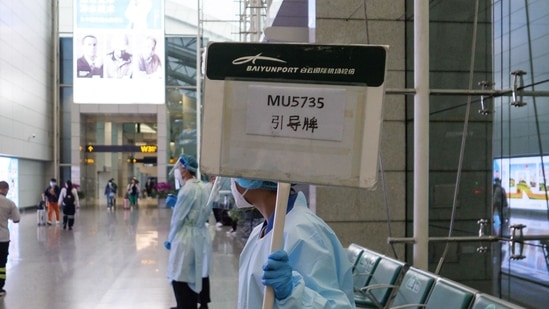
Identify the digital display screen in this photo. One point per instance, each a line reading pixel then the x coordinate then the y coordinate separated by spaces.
pixel 522 179
pixel 524 183
pixel 9 172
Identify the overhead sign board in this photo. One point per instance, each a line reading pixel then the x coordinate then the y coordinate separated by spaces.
pixel 294 112
pixel 305 63
pixel 121 148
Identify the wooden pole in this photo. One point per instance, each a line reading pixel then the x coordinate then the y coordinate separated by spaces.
pixel 278 233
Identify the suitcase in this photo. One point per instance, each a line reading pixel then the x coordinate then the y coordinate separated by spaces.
pixel 41 216
pixel 126 203
pixel 41 213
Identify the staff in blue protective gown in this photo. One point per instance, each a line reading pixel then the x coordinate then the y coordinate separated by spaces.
pixel 312 269
pixel 189 241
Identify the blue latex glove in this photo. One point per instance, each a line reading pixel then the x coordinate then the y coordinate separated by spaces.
pixel 278 274
pixel 167 245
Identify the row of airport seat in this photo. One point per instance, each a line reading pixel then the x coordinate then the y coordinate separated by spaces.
pixel 382 282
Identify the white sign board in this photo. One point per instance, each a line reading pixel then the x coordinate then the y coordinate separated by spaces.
pixel 295 113
pixel 299 112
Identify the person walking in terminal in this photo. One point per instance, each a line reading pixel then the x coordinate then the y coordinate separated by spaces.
pixel 189 240
pixel 51 195
pixel 133 192
pixel 110 193
pixel 68 200
pixel 500 208
pixel 8 211
pixel 297 281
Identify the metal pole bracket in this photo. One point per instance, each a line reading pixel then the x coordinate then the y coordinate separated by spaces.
pixel 517 238
pixel 518 85
pixel 484 109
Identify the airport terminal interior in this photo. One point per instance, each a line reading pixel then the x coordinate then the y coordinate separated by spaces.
pixel 437 160
pixel 110 259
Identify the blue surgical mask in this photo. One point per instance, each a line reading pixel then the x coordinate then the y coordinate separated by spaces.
pixel 52 184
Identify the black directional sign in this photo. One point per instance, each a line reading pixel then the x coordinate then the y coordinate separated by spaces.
pixel 121 148
pixel 145 160
pixel 292 63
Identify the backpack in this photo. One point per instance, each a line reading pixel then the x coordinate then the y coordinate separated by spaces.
pixel 68 200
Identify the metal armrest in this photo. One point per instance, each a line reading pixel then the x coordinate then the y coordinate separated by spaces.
pixel 362 275
pixel 367 291
pixel 408 305
pixel 368 288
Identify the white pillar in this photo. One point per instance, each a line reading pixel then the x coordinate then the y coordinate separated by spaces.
pixel 421 134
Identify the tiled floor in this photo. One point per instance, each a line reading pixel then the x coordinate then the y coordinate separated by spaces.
pixel 117 260
pixel 113 260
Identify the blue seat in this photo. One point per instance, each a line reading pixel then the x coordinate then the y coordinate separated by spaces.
pixel 414 289
pixel 355 252
pixel 450 294
pixel 382 284
pixel 364 268
pixel 485 301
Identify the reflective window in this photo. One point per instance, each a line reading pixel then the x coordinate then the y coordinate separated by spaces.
pixel 182 115
pixel 65 60
pixel 521 138
pixel 181 61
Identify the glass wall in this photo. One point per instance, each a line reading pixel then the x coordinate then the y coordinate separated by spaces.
pixel 521 135
pixel 181 95
pixel 459 138
pixel 65 102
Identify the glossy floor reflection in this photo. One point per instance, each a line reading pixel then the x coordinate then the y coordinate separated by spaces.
pixel 109 260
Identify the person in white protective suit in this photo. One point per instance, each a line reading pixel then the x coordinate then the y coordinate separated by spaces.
pixel 189 241
pixel 311 270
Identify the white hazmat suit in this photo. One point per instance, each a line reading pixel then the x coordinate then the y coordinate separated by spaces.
pixel 190 257
pixel 321 271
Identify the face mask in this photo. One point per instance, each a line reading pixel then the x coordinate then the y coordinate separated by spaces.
pixel 52 184
pixel 179 182
pixel 239 199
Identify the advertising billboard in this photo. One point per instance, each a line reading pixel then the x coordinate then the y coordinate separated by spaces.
pixel 119 52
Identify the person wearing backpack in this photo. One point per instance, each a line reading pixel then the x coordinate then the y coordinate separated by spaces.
pixel 68 201
pixel 110 193
pixel 133 192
